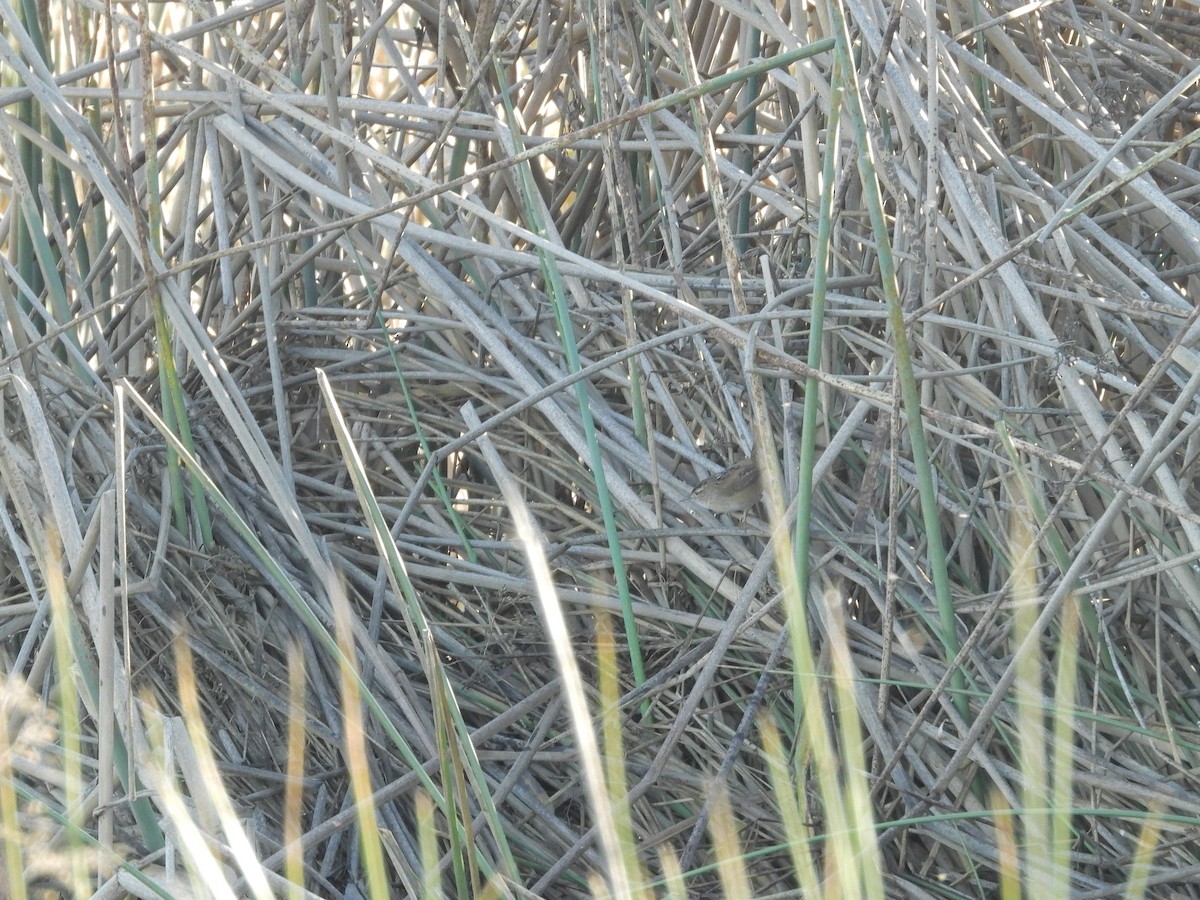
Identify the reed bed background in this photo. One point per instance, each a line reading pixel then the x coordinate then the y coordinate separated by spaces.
pixel 358 363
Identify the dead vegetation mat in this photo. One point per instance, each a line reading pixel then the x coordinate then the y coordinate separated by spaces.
pixel 345 196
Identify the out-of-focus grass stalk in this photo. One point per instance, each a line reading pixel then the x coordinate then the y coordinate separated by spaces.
pixel 735 882
pixel 293 797
pixel 68 710
pixel 1143 859
pixel 614 755
pixel 855 793
pixel 1062 753
pixel 205 870
pixel 844 823
pixel 789 800
pixel 1008 859
pixel 1046 772
pixel 431 882
pixel 355 748
pixel 10 827
pixel 1031 732
pixel 239 842
pixel 676 887
pixel 1036 504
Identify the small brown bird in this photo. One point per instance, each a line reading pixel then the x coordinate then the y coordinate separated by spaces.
pixel 736 489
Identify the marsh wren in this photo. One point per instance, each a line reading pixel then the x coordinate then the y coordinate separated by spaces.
pixel 736 489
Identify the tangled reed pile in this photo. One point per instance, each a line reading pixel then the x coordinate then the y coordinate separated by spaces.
pixel 358 228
